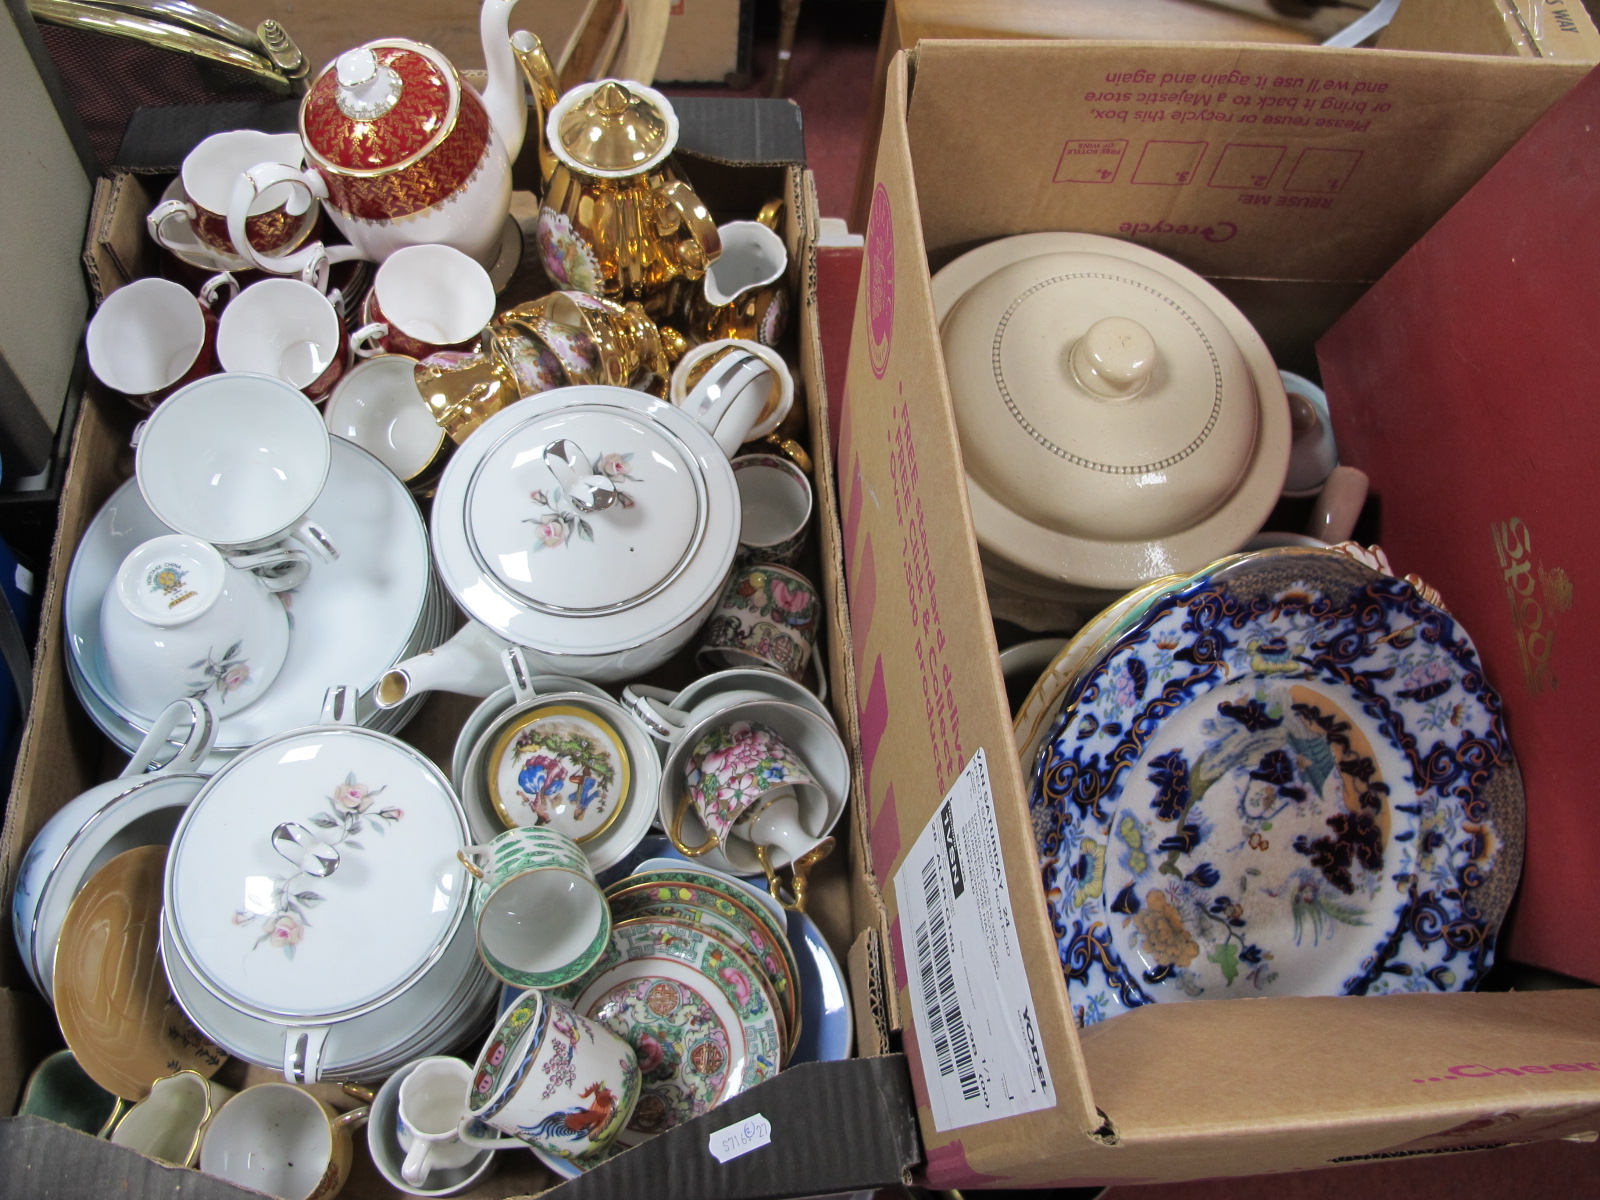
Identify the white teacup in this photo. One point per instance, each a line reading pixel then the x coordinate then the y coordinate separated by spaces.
pixel 179 620
pixel 288 329
pixel 152 335
pixel 236 460
pixel 377 406
pixel 432 1098
pixel 167 1125
pixel 276 1138
pixel 425 299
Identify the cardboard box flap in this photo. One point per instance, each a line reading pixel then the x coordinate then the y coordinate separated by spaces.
pixel 1187 148
pixel 80 1165
pixel 922 640
pixel 824 1127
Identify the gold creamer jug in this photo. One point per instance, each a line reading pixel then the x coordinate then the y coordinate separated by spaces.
pixel 617 219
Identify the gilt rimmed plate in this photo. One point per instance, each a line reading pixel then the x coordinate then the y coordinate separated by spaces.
pixel 1288 778
pixel 728 919
pixel 562 766
pixel 699 1019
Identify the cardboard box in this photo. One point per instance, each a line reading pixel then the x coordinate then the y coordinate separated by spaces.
pixel 707 40
pixel 62 754
pixel 1518 28
pixel 1292 177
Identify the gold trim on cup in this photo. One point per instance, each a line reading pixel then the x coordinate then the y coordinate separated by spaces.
pixel 798 870
pixel 503 743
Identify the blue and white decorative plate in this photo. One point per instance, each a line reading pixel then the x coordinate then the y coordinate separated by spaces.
pixel 1287 778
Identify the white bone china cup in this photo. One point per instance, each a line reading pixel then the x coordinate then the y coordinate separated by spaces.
pixel 180 620
pixel 236 459
pixel 288 329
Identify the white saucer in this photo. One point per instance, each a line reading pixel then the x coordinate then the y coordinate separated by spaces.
pixel 383 1142
pixel 352 619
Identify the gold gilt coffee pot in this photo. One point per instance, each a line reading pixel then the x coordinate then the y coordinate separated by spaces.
pixel 618 220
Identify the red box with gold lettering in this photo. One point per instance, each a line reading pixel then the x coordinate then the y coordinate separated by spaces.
pixel 1463 384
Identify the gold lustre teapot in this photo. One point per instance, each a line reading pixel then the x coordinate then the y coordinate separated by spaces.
pixel 617 220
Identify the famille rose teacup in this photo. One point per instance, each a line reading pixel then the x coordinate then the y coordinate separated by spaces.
pixel 152 336
pixel 553 1079
pixel 744 782
pixel 775 502
pixel 425 299
pixel 767 617
pixel 278 219
pixel 541 918
pixel 281 1140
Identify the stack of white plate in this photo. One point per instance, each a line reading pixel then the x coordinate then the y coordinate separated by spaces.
pixel 351 620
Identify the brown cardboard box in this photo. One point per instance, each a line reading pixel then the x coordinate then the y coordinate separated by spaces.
pixel 1522 28
pixel 62 754
pixel 707 40
pixel 1292 177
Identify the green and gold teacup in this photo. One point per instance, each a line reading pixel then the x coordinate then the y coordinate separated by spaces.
pixel 541 918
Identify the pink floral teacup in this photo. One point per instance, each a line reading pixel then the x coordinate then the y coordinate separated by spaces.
pixel 767 617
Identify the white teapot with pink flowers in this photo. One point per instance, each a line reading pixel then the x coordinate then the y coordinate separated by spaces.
pixel 594 526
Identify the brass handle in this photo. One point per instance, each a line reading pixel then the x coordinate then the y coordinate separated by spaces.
pixel 771 214
pixel 675 832
pixel 799 869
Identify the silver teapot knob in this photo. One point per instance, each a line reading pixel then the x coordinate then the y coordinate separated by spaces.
pixel 589 491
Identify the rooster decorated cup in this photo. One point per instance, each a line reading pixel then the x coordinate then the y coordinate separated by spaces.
pixel 552 1079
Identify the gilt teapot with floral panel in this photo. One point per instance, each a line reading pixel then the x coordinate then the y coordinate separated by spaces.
pixel 618 220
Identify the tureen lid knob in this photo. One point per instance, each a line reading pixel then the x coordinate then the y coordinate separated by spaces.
pixel 1114 359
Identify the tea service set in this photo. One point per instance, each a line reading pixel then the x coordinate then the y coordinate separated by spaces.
pixel 1261 763
pixel 276 876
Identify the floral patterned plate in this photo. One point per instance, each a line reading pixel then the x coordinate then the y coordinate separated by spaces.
pixel 726 918
pixel 1288 778
pixel 560 766
pixel 699 1019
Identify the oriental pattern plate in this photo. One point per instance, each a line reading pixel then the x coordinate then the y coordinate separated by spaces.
pixel 1287 778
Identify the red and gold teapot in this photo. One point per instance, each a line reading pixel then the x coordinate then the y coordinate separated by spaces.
pixel 401 152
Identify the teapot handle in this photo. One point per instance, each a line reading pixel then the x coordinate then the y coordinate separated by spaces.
pixel 249 185
pixel 698 243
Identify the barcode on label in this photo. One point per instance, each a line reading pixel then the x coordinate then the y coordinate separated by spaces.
pixel 952 1044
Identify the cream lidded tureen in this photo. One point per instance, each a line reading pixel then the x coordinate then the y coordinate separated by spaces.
pixel 1119 418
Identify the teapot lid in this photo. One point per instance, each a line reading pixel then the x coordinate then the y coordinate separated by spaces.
pixel 315 875
pixel 613 128
pixel 380 107
pixel 586 519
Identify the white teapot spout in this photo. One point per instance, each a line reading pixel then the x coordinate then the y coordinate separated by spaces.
pixel 502 94
pixel 469 664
